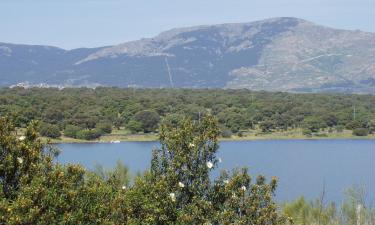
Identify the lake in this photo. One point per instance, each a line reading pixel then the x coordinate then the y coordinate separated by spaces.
pixel 303 167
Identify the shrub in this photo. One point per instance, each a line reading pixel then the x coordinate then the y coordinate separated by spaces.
pixel 353 125
pixel 88 134
pixel 267 126
pixel 353 210
pixel 314 124
pixel 49 130
pixel 176 190
pixel 371 126
pixel 134 126
pixel 360 132
pixel 148 119
pixel 71 131
pixel 195 199
pixel 307 132
pixel 105 128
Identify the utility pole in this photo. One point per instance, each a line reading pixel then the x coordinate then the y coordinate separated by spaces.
pixel 354 113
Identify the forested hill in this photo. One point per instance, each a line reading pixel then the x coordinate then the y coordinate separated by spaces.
pixel 91 111
pixel 278 54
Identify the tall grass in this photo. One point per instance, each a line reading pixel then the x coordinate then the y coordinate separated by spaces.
pixel 354 210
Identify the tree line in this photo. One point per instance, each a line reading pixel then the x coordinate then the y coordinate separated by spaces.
pixel 84 113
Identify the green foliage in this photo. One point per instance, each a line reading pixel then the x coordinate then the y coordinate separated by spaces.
pixel 141 110
pixel 354 125
pixel 177 189
pixel 71 131
pixel 173 119
pixel 307 132
pixel 134 126
pixel 53 116
pixel 49 130
pixel 360 132
pixel 88 134
pixel 371 126
pixel 105 128
pixel 118 122
pixel 314 124
pixel 267 126
pixel 304 212
pixel 148 119
pixel 187 155
pixel 118 177
pixel 352 211
pixel 183 163
pixel 19 158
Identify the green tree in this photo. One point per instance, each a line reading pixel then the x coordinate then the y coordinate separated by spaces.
pixel 104 127
pixel 183 165
pixel 360 132
pixel 267 126
pixel 134 126
pixel 19 157
pixel 314 124
pixel 148 119
pixel 71 131
pixel 53 115
pixel 88 134
pixel 371 126
pixel 49 130
pixel 118 122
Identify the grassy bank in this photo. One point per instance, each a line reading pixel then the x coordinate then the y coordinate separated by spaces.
pixel 294 134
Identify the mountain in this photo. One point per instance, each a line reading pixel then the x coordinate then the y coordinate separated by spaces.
pixel 278 54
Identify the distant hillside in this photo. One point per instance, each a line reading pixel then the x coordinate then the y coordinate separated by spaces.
pixel 279 54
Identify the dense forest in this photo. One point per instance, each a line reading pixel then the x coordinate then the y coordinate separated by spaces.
pixel 89 113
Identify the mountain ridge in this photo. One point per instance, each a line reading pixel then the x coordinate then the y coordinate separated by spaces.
pixel 277 54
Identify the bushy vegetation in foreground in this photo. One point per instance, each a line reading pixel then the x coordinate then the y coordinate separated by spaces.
pixel 354 210
pixel 87 114
pixel 176 190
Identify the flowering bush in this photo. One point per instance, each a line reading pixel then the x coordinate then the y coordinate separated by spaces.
pixel 176 190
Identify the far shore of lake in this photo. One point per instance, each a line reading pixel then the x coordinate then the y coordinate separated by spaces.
pixel 292 135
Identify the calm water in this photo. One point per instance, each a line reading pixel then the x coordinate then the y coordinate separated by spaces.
pixel 303 166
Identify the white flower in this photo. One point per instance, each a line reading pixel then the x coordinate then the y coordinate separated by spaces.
pixel 22 138
pixel 181 185
pixel 226 181
pixel 191 145
pixel 173 197
pixel 20 160
pixel 234 195
pixel 243 188
pixel 123 187
pixel 209 165
pixel 220 160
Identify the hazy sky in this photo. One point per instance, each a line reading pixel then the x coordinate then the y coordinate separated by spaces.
pixel 88 23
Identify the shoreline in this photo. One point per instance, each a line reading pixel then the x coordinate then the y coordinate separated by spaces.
pixel 154 137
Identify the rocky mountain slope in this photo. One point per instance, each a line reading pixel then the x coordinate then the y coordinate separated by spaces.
pixel 279 54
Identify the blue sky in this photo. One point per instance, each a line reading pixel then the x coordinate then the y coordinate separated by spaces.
pixel 89 23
